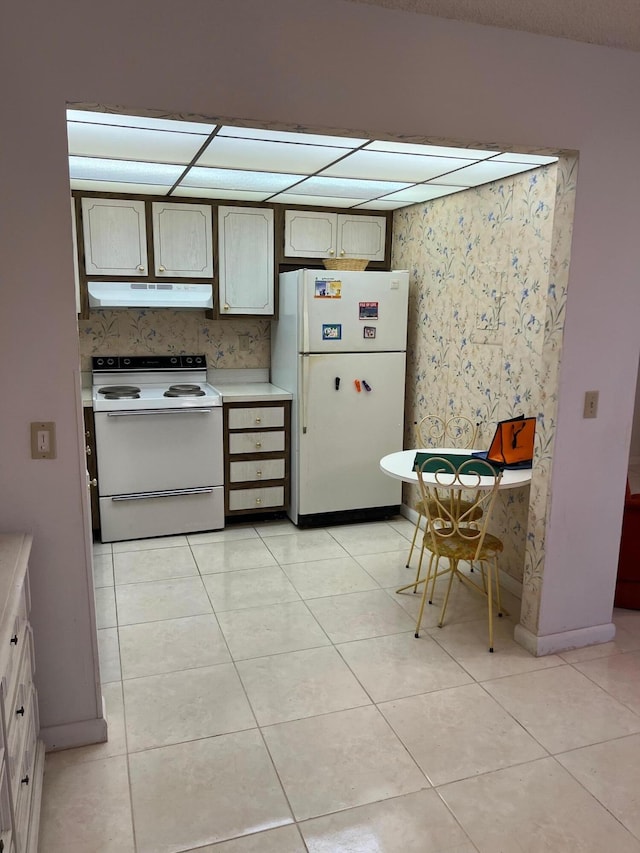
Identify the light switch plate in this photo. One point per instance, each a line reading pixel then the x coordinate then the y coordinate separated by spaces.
pixel 590 404
pixel 43 440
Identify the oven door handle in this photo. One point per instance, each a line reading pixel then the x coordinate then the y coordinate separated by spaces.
pixel 168 493
pixel 133 412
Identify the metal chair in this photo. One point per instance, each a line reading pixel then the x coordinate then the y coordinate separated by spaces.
pixel 454 531
pixel 433 431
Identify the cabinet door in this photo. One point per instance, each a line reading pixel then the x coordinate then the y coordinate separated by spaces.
pixel 310 233
pixel 246 260
pixel 115 237
pixel 361 236
pixel 182 240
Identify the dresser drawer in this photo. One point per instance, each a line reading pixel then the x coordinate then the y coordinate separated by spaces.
pixel 256 498
pixel 13 655
pixel 256 442
pixel 25 780
pixel 256 417
pixel 5 806
pixel 256 469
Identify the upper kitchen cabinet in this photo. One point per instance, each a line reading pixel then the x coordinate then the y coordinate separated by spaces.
pixel 246 259
pixel 323 234
pixel 115 237
pixel 182 240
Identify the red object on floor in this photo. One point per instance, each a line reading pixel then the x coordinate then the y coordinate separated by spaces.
pixel 628 583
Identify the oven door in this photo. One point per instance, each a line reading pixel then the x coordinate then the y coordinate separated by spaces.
pixel 158 450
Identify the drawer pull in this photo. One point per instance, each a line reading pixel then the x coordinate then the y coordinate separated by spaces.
pixel 25 780
pixel 258 420
pixel 14 640
pixel 258 473
pixel 88 450
pixel 20 711
pixel 258 444
pixel 258 500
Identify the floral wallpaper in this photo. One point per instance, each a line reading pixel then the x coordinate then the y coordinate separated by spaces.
pixel 488 270
pixel 226 343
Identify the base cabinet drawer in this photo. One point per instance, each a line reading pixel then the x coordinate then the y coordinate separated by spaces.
pixel 256 417
pixel 256 498
pixel 256 469
pixel 256 442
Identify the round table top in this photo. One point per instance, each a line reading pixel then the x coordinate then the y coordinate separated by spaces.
pixel 400 466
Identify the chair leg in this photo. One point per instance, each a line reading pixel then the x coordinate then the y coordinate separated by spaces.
pixel 413 541
pixel 489 605
pixel 424 598
pixel 453 568
pixel 499 602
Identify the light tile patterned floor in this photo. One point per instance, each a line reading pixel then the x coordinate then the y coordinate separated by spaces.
pixel 265 694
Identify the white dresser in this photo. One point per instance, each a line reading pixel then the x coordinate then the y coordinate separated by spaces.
pixel 21 752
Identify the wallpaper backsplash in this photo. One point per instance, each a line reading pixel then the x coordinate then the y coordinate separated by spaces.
pixel 488 270
pixel 133 331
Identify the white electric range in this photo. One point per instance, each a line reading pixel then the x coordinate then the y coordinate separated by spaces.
pixel 159 446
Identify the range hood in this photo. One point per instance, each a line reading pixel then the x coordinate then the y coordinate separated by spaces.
pixel 140 294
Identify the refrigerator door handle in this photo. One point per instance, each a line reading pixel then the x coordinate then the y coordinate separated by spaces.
pixel 304 393
pixel 305 317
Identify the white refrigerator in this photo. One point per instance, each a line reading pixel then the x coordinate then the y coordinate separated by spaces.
pixel 339 346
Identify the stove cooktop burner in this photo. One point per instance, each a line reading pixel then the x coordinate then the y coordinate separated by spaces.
pixel 120 392
pixel 184 391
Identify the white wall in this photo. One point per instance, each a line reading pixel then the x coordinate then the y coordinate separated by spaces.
pixel 335 65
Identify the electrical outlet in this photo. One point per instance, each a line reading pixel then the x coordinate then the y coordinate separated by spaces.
pixel 43 440
pixel 590 404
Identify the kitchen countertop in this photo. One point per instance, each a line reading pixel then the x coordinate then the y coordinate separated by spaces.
pixel 250 392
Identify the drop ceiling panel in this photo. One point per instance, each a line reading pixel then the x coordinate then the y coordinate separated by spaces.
pixel 140 121
pixel 483 173
pixel 432 150
pixel 117 187
pixel 423 192
pixel 381 204
pixel 289 136
pixel 208 192
pixel 133 143
pixel 533 159
pixel 93 168
pixel 345 188
pixel 239 179
pixel 265 156
pixel 314 200
pixel 410 168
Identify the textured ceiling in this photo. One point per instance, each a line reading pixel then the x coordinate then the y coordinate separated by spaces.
pixel 614 23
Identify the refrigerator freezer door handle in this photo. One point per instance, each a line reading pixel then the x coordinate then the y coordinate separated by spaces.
pixel 305 318
pixel 304 393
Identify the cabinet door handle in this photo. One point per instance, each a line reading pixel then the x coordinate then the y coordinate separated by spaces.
pixel 140 268
pixel 20 711
pixel 161 269
pixel 25 780
pixel 93 482
pixel 87 435
pixel 14 640
pixel 226 306
pixel 88 450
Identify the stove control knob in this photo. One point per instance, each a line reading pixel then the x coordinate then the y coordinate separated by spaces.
pixel 174 360
pixel 189 360
pixel 100 362
pixel 127 361
pixel 198 359
pixel 110 361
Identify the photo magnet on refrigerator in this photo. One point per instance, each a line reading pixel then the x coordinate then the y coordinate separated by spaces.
pixel 332 331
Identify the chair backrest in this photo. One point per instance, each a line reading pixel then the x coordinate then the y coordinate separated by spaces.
pixel 455 505
pixel 455 431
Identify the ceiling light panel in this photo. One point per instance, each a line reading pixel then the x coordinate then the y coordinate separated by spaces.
pixel 265 156
pixel 117 187
pixel 133 143
pixel 409 168
pixel 423 192
pixel 140 121
pixel 429 150
pixel 483 173
pixel 289 136
pixel 344 188
pixel 314 201
pixel 93 168
pixel 208 192
pixel 231 179
pixel 532 159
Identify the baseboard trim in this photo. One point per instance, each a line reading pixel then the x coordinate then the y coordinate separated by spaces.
pixel 564 641
pixel 71 735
